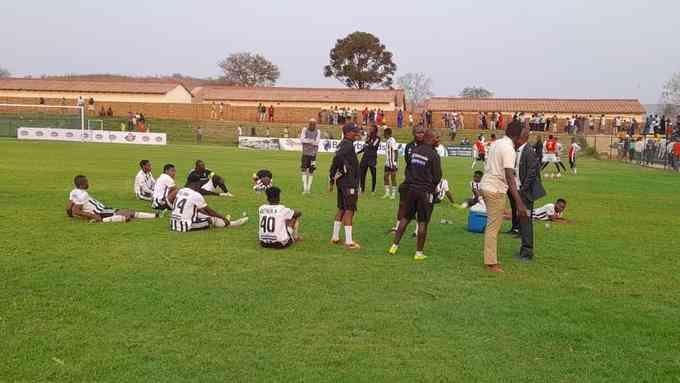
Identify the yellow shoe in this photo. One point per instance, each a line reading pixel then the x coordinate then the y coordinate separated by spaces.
pixel 421 257
pixel 393 250
pixel 353 246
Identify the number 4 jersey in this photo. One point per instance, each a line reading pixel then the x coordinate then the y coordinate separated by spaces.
pixel 185 212
pixel 273 225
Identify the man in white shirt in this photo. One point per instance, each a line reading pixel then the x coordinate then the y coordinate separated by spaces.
pixel 391 164
pixel 82 205
pixel 310 137
pixel 144 181
pixel 279 225
pixel 190 211
pixel 164 190
pixel 499 177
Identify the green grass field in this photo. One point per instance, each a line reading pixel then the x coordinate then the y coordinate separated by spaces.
pixel 134 302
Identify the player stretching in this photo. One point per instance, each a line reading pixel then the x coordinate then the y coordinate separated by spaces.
pixel 551 212
pixel 209 181
pixel 279 225
pixel 573 149
pixel 83 206
pixel 164 190
pixel 310 138
pixel 391 164
pixel 191 212
pixel 479 151
pixel 424 175
pixel 344 173
pixel 262 180
pixel 144 181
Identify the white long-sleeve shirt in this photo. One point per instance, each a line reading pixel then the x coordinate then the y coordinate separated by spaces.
pixel 144 183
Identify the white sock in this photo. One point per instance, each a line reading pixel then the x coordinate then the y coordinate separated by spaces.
pixel 217 222
pixel 309 183
pixel 416 229
pixel 348 235
pixel 394 190
pixel 304 182
pixel 419 253
pixel 387 189
pixel 114 218
pixel 238 222
pixel 396 225
pixel 336 230
pixel 140 215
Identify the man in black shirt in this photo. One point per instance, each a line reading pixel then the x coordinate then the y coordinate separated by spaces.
pixel 418 137
pixel 370 158
pixel 209 181
pixel 422 177
pixel 344 174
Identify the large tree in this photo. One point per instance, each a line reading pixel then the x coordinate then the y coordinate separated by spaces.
pixel 671 94
pixel 4 73
pixel 417 86
pixel 475 92
pixel 248 69
pixel 361 61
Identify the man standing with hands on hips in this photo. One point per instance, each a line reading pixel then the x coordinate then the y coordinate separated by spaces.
pixel 528 172
pixel 344 174
pixel 499 177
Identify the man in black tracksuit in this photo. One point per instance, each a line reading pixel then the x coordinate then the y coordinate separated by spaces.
pixel 422 177
pixel 344 174
pixel 418 137
pixel 370 158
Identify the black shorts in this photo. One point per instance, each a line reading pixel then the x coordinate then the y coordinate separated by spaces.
pixel 419 204
pixel 277 245
pixel 308 163
pixel 106 213
pixel 481 157
pixel 391 169
pixel 403 193
pixel 347 199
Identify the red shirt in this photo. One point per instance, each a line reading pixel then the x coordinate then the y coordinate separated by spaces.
pixel 676 149
pixel 480 147
pixel 551 146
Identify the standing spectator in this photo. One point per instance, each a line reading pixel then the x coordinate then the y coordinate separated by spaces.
pixel 370 158
pixel 63 103
pixel 213 111
pixel 81 101
pixel 482 121
pixel 428 119
pixel 199 135
pixel 400 119
pixel 617 125
pixel 501 121
pixel 267 132
pixel 270 112
pixel 221 108
pixel 453 128
pixel 142 123
pixel 461 121
pixel 130 125
pixel 493 121
pixel 239 133
pixel 102 112
pixel 632 129
pixel 410 120
pixel 90 106
pixel 603 123
pixel 109 112
pixel 498 178
pixel 528 174
pixel 364 115
pixel 379 118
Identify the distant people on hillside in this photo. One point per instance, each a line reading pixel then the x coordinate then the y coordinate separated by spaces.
pixel 109 112
pixel 221 110
pixel 102 112
pixel 400 119
pixel 199 135
pixel 213 111
pixel 270 113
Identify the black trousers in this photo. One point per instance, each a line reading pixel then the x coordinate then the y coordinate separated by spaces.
pixel 513 207
pixel 363 168
pixel 526 230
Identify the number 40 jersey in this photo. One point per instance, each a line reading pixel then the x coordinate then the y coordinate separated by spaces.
pixel 272 221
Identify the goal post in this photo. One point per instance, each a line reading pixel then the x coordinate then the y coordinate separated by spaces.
pixel 95 124
pixel 13 116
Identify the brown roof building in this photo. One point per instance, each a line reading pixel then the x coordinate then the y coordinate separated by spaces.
pixel 547 106
pixel 106 91
pixel 319 98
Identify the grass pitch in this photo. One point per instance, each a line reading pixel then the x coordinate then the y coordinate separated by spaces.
pixel 135 302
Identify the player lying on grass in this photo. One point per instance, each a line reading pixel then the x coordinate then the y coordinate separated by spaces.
pixel 144 181
pixel 262 180
pixel 191 212
pixel 164 190
pixel 279 225
pixel 82 205
pixel 423 175
pixel 210 181
pixel 550 212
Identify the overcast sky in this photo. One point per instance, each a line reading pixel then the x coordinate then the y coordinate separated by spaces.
pixel 522 48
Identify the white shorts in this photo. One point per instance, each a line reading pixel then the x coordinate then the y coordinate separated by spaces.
pixel 550 157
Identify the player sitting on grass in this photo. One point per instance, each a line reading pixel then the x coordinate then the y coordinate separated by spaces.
pixel 209 181
pixel 164 190
pixel 144 181
pixel 81 205
pixel 191 212
pixel 552 212
pixel 262 180
pixel 279 225
pixel 477 201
